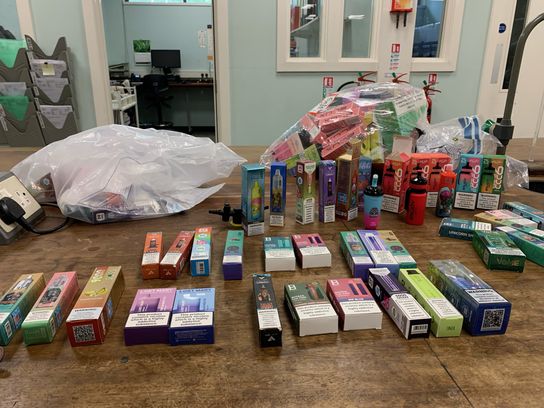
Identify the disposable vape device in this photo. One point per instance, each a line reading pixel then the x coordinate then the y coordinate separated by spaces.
pixel 152 256
pixel 468 181
pixel 400 253
pixel 267 311
pixel 253 199
pixel 311 251
pixel 446 192
pixel 201 257
pixel 461 229
pixel 232 257
pixel 526 211
pixel 381 256
pixel 177 256
pixel 430 165
pixel 373 198
pixel 279 254
pixel 532 244
pixel 395 182
pixel 327 190
pixel 347 206
pixel 498 251
pixel 256 200
pixel 365 178
pixel 492 184
pixel 416 200
pixel 434 178
pixel 278 183
pixel 389 178
pixel 306 192
pixel 488 176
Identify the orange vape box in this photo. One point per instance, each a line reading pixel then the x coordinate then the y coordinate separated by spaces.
pixel 152 255
pixel 173 262
pixel 93 312
pixel 430 165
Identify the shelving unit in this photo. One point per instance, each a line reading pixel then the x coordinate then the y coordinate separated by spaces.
pixel 126 102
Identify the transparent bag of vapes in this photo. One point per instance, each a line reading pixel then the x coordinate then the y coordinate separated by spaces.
pixel 113 173
pixel 374 113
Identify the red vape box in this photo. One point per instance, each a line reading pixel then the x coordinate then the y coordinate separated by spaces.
pixel 311 251
pixel 337 144
pixel 152 255
pixel 396 178
pixel 174 260
pixel 430 165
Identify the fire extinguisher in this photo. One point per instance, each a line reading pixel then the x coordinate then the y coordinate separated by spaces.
pixel 429 91
pixel 397 79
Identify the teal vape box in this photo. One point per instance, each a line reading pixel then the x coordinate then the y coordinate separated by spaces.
pixel 253 199
pixel 461 229
pixel 498 251
pixel 532 246
pixel 398 250
pixel 232 257
pixel 356 255
pixel 526 211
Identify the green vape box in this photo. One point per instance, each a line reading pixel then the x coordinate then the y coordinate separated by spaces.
pixel 17 302
pixel 446 320
pixel 461 229
pixel 398 250
pixel 498 251
pixel 531 245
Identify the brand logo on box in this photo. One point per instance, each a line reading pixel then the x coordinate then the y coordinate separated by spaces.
pixel 475 176
pixel 398 180
pixel 497 181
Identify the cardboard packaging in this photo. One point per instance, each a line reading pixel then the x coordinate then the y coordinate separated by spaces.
pixel 92 314
pixel 378 251
pixel 232 257
pixel 446 320
pixel 396 178
pixel 526 211
pixel 498 251
pixel 327 191
pixel 430 165
pixel 469 173
pixel 268 317
pixel 492 181
pixel 193 317
pixel 347 206
pixel 279 254
pixel 45 318
pixel 201 254
pixel 531 245
pixel 365 178
pixel 278 187
pixel 152 256
pixel 393 245
pixel 354 304
pixel 461 229
pixel 411 319
pixel 253 199
pixel 310 309
pixel 305 182
pixel 149 316
pixel 311 251
pixel 505 218
pixel 484 310
pixel 356 255
pixel 175 259
pixel 17 302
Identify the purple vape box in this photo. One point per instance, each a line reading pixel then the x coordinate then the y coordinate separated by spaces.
pixel 149 316
pixel 378 251
pixel 232 258
pixel 327 190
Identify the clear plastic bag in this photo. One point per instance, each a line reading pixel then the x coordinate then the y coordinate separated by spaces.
pixel 115 172
pixel 517 173
pixel 374 113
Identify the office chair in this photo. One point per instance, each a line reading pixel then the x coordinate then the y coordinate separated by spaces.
pixel 155 88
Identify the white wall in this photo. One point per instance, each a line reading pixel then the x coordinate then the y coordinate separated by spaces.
pixel 8 17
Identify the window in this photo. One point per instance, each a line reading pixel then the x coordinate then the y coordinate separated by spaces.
pixel 428 30
pixel 305 28
pixel 357 29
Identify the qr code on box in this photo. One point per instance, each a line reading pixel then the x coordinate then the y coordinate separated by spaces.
pixel 493 319
pixel 84 334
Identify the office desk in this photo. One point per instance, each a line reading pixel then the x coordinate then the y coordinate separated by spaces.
pixel 361 369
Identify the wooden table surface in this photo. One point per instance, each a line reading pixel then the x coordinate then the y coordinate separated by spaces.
pixel 370 368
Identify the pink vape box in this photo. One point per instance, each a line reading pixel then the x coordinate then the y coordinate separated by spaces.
pixel 396 178
pixel 311 251
pixel 354 304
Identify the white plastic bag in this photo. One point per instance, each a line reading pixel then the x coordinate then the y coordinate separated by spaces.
pixel 115 172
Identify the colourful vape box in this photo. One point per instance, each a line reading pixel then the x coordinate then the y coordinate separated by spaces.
pixel 278 188
pixel 192 317
pixel 175 259
pixel 347 205
pixel 378 251
pixel 356 255
pixel 17 302
pixel 446 320
pixel 492 182
pixel 393 245
pixel 152 256
pixel 365 178
pixel 354 304
pixel 396 178
pixel 45 318
pixel 149 316
pixel 201 254
pixel 253 199
pixel 232 257
pixel 279 254
pixel 268 317
pixel 311 251
pixel 498 251
pixel 484 310
pixel 469 173
pixel 430 165
pixel 526 211
pixel 310 309
pixel 461 229
pixel 531 245
pixel 327 191
pixel 305 182
pixel 92 314
pixel 505 218
pixel 411 319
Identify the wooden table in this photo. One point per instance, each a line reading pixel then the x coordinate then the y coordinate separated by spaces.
pixel 361 369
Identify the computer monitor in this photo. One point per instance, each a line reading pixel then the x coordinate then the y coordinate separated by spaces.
pixel 166 59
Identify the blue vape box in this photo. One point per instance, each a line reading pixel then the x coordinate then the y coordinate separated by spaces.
pixel 356 255
pixel 484 310
pixel 381 256
pixel 253 199
pixel 278 187
pixel 193 317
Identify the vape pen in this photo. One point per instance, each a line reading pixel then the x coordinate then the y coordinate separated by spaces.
pixel 434 178
pixel 256 200
pixel 353 290
pixel 313 292
pixel 277 189
pixel 446 190
pixel 465 176
pixel 362 289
